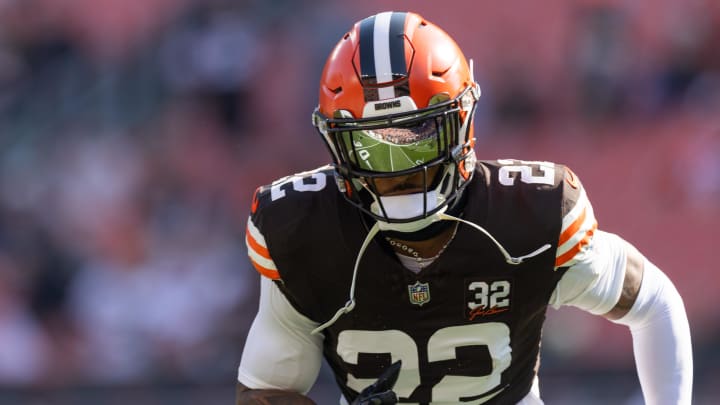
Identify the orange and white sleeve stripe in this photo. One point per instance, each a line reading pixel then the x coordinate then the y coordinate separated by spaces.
pixel 258 252
pixel 578 227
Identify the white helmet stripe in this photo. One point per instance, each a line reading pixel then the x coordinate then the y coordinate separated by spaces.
pixel 381 46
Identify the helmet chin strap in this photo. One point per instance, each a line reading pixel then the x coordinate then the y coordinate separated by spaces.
pixel 350 304
pixel 508 258
pixel 410 227
pixel 408 206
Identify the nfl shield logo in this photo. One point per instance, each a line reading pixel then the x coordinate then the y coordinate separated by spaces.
pixel 419 293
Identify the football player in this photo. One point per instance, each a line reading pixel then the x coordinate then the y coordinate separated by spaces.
pixel 420 274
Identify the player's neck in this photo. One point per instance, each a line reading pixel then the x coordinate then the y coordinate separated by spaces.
pixel 427 248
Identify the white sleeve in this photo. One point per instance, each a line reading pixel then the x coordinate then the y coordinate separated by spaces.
pixel 594 282
pixel 280 352
pixel 661 340
pixel 657 319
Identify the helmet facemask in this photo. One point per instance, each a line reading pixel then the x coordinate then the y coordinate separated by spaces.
pixel 430 145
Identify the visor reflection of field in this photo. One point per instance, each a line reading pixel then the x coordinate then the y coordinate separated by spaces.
pixel 370 153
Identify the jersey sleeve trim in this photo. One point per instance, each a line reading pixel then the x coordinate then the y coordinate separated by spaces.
pixel 258 252
pixel 594 283
pixel 578 227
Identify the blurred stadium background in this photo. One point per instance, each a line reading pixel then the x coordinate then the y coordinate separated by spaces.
pixel 132 134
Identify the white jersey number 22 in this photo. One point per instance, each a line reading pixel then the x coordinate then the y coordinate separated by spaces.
pixel 441 347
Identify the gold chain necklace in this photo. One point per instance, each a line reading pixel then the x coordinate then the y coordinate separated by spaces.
pixel 405 248
pixel 410 252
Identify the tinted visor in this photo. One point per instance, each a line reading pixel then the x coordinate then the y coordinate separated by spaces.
pixel 396 148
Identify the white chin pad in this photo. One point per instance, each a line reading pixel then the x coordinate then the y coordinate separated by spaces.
pixel 407 205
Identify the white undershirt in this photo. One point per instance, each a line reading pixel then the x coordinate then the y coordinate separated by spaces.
pixel 415 264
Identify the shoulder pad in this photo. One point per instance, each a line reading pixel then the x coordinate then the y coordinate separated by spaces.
pixel 291 188
pixel 578 221
pixel 541 174
pixel 277 209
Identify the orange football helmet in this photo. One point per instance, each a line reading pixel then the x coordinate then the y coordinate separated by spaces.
pixel 397 97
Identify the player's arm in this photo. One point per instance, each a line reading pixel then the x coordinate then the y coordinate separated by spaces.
pixel 616 281
pixel 652 308
pixel 281 358
pixel 634 270
pixel 608 276
pixel 247 396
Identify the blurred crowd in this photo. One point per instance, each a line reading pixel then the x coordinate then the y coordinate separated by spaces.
pixel 128 156
pixel 132 135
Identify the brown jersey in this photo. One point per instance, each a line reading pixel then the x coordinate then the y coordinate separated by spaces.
pixel 467 328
